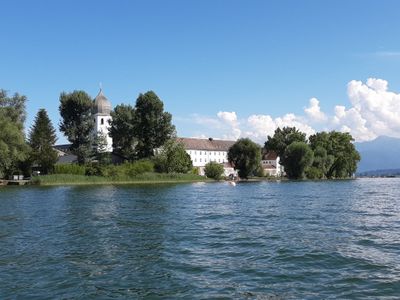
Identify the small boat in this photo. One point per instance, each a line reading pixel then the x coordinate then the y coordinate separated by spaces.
pixel 232 183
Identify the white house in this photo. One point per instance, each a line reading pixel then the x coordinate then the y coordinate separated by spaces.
pixel 270 164
pixel 101 117
pixel 202 151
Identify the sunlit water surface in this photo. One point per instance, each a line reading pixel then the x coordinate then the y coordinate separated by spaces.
pixel 289 240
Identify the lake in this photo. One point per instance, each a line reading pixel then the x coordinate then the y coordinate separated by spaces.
pixel 262 240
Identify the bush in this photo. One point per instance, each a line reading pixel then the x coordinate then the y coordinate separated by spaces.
pixel 94 169
pixel 214 170
pixel 195 171
pixel 73 169
pixel 259 172
pixel 173 159
pixel 136 168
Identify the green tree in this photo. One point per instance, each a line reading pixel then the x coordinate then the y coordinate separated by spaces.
pixel 298 157
pixel 14 107
pixel 153 126
pixel 101 154
pixel 13 147
pixel 173 158
pixel 122 131
pixel 245 155
pixel 77 124
pixel 283 138
pixel 42 137
pixel 341 156
pixel 214 170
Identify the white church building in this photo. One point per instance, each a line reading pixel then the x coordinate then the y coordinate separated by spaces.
pixel 101 112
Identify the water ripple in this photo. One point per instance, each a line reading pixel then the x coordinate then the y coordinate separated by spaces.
pixel 287 240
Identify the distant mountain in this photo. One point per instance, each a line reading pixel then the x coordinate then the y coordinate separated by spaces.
pixel 380 173
pixel 381 154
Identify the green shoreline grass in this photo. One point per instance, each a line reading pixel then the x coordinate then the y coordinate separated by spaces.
pixel 146 178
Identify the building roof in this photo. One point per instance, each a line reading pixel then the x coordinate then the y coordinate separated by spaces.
pixel 270 155
pixel 65 148
pixel 205 144
pixel 101 105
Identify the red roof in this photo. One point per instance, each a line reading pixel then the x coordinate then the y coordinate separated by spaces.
pixel 271 155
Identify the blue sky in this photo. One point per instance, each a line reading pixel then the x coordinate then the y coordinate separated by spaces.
pixel 215 64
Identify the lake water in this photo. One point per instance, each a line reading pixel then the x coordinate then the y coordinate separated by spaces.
pixel 289 240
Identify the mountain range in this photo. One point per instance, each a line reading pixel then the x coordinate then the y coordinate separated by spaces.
pixel 379 155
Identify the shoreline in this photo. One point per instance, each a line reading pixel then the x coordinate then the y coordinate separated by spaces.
pixel 133 182
pixel 95 180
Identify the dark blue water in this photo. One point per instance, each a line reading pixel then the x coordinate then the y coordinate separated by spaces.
pixel 293 240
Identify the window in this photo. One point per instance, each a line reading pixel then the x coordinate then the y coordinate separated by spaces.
pixel 200 159
pixel 102 121
pixel 195 160
pixel 200 152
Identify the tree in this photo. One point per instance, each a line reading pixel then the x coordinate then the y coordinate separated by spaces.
pixel 341 155
pixel 245 155
pixel 77 124
pixel 42 137
pixel 14 107
pixel 122 131
pixel 173 158
pixel 101 154
pixel 214 170
pixel 283 138
pixel 13 147
pixel 153 126
pixel 298 157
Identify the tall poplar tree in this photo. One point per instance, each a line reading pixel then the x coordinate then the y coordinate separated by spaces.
pixel 42 137
pixel 77 124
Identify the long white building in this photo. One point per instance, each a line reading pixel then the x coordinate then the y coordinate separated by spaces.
pixel 202 151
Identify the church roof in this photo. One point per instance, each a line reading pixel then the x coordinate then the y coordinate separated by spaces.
pixel 101 105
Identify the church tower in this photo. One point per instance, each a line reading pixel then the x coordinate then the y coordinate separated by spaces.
pixel 101 115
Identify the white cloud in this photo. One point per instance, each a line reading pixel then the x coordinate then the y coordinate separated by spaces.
pixel 260 126
pixel 378 107
pixel 373 111
pixel 230 119
pixel 314 111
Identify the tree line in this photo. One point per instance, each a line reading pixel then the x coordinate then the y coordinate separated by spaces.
pixel 143 131
pixel 324 155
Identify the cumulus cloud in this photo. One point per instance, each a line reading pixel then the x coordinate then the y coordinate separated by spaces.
pixel 373 111
pixel 230 119
pixel 314 112
pixel 260 126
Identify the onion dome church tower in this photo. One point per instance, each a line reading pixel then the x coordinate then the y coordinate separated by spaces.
pixel 101 113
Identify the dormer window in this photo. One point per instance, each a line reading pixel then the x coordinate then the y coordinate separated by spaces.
pixel 102 121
